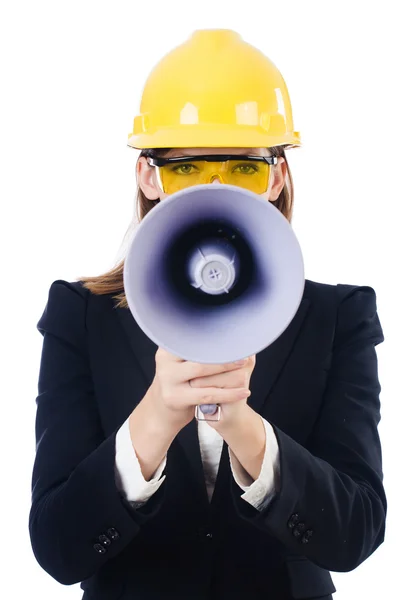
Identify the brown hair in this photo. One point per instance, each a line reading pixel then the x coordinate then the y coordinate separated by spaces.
pixel 112 282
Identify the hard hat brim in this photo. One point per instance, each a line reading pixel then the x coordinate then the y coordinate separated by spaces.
pixel 212 137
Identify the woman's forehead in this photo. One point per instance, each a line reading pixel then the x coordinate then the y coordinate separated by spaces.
pixel 201 151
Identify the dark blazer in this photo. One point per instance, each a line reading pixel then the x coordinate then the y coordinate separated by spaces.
pixel 317 384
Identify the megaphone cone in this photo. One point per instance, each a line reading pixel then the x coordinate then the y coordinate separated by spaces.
pixel 214 273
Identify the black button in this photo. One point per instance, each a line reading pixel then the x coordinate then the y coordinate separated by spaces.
pixel 299 529
pixel 104 540
pixel 99 548
pixel 113 533
pixel 203 532
pixel 293 520
pixel 306 536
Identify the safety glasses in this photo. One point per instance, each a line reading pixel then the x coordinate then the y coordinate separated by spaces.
pixel 249 172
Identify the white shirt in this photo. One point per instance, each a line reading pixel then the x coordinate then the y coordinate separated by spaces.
pixel 257 492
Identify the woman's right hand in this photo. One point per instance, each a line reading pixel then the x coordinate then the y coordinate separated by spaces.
pixel 175 400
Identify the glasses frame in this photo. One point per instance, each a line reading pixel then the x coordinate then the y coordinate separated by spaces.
pixel 156 161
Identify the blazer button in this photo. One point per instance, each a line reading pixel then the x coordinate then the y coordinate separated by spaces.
pixel 293 520
pixel 299 529
pixel 113 533
pixel 104 540
pixel 306 536
pixel 99 548
pixel 203 532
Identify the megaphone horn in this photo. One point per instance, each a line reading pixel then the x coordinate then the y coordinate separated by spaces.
pixel 214 273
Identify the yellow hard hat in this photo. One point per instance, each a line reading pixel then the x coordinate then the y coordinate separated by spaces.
pixel 214 90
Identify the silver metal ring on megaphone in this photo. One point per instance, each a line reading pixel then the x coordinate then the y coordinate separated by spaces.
pixel 218 413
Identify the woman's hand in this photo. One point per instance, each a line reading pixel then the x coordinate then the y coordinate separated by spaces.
pixel 232 411
pixel 175 399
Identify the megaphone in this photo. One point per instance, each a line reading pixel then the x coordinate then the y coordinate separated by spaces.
pixel 214 273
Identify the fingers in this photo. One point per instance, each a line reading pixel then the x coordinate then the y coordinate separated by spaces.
pixel 191 370
pixel 217 395
pixel 237 378
pixel 233 375
pixel 210 384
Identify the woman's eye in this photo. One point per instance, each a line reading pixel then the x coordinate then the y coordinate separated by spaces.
pixel 185 169
pixel 245 169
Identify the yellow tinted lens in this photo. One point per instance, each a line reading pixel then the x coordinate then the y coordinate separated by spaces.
pixel 251 175
pixel 177 176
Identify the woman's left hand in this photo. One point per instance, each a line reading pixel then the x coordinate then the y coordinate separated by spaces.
pixel 231 412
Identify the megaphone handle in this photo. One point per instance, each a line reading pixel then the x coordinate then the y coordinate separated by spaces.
pixel 208 409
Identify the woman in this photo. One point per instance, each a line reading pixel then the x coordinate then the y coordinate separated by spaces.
pixel 131 495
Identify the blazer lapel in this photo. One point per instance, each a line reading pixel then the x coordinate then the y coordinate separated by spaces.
pixel 269 363
pixel 142 346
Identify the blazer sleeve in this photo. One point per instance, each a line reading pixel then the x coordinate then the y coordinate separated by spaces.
pixel 331 506
pixel 78 519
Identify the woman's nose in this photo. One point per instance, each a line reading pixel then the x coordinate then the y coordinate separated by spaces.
pixel 215 180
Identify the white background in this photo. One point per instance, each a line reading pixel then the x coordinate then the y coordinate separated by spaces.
pixel 71 77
